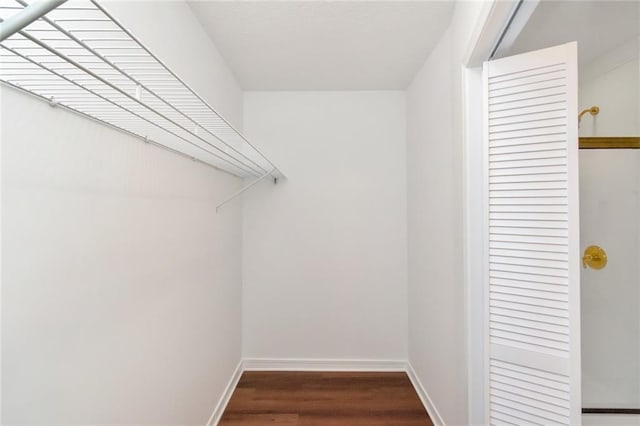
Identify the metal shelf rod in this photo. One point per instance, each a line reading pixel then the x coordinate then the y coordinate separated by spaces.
pixel 143 118
pixel 30 13
pixel 91 73
pixel 89 63
pixel 129 132
pixel 238 193
pixel 95 3
pixel 135 81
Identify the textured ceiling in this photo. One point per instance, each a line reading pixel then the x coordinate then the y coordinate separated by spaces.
pixel 324 45
pixel 598 26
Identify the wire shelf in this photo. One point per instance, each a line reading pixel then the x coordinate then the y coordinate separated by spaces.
pixel 80 57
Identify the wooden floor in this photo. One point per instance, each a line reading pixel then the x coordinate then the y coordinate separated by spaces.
pixel 336 399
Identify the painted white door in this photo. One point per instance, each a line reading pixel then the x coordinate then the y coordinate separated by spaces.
pixel 533 259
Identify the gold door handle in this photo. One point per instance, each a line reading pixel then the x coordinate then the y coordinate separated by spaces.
pixel 594 257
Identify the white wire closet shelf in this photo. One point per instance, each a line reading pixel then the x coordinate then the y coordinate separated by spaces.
pixel 80 57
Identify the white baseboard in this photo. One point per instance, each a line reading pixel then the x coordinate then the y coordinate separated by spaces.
pixel 436 418
pixel 226 396
pixel 303 364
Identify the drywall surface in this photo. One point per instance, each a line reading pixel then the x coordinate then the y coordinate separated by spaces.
pixel 324 264
pixel 437 307
pixel 612 82
pixel 610 218
pixel 609 211
pixel 121 286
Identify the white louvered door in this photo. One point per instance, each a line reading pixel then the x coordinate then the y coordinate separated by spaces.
pixel 533 291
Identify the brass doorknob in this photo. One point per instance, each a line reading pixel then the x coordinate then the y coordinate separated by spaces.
pixel 594 257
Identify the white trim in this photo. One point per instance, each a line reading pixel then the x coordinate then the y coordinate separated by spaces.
pixel 491 23
pixel 474 243
pixel 1 275
pixel 520 18
pixel 486 350
pixel 306 364
pixel 226 395
pixel 436 418
pixel 575 346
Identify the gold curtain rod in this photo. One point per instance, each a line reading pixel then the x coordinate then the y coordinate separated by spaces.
pixel 605 142
pixel 609 142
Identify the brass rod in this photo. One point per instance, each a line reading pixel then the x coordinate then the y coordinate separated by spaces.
pixel 609 142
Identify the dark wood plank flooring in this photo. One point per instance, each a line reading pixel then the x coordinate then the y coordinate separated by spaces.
pixel 320 398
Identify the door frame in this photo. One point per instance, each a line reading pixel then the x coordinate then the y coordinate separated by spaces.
pixel 499 24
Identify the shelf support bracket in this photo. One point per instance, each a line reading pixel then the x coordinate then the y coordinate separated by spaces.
pixel 31 13
pixel 236 194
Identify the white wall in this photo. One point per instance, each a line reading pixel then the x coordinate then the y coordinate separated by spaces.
pixel 612 82
pixel 324 264
pixel 609 217
pixel 609 211
pixel 121 285
pixel 437 306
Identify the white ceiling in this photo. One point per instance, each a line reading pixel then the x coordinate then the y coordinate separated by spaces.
pixel 598 26
pixel 324 45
